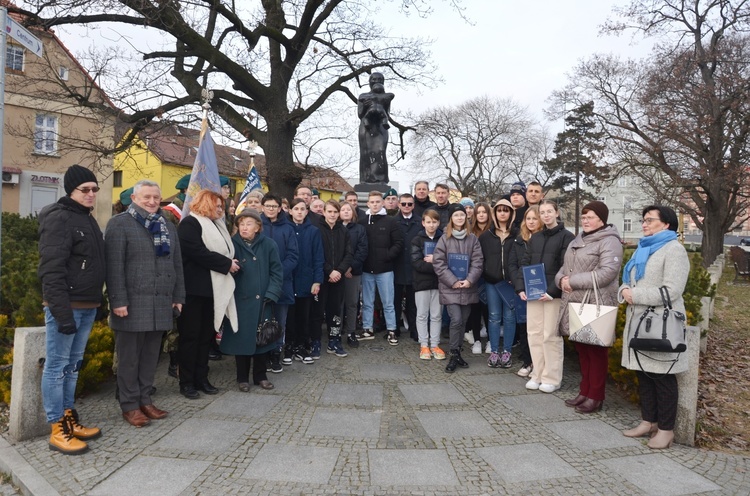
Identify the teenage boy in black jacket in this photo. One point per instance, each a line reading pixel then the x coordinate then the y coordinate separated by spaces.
pixel 386 243
pixel 425 284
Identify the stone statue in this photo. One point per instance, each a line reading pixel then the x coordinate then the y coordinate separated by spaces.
pixel 373 109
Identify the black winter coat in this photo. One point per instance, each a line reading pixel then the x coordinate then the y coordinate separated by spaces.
pixel 442 211
pixel 402 273
pixel 548 246
pixel 421 206
pixel 336 249
pixel 423 273
pixel 358 243
pixel 386 242
pixel 517 252
pixel 496 256
pixel 197 260
pixel 71 258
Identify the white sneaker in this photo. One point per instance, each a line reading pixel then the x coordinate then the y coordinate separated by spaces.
pixel 548 388
pixel 488 348
pixel 483 332
pixel 477 348
pixel 532 384
pixel 469 337
pixel 525 370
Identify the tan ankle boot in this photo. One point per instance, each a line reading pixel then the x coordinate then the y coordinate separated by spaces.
pixel 662 440
pixel 643 429
pixel 63 440
pixel 80 431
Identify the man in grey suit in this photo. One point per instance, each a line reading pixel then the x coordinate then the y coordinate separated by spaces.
pixel 146 287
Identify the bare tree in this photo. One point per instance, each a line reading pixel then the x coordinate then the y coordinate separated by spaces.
pixel 684 111
pixel 271 66
pixel 478 145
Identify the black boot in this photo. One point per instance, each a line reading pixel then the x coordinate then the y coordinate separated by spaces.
pixel 461 362
pixel 172 370
pixel 453 362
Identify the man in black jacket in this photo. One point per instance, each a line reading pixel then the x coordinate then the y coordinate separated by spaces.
pixel 385 244
pixel 442 195
pixel 72 270
pixel 410 225
pixel 422 198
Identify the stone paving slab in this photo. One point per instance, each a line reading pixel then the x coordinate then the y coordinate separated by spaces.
pixel 408 467
pixel 591 434
pixel 328 422
pixel 352 394
pixel 526 462
pixel 386 372
pixel 287 463
pixel 198 435
pixel 499 383
pixel 657 475
pixel 461 424
pixel 243 404
pixel 432 394
pixel 146 475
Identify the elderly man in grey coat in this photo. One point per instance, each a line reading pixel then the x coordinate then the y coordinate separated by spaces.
pixel 146 288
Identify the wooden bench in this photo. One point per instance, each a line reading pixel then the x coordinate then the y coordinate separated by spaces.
pixel 741 261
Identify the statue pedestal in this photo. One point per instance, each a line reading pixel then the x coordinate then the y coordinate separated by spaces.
pixel 367 187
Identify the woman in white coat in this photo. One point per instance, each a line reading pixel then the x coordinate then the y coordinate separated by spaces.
pixel 660 260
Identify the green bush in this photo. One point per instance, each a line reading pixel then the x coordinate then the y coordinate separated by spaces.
pixel 698 285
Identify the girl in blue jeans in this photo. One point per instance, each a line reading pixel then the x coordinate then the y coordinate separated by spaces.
pixel 497 244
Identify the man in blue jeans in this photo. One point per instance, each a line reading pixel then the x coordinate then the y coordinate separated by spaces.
pixel 72 270
pixel 385 243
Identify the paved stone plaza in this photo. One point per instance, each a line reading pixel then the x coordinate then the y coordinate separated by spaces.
pixel 378 422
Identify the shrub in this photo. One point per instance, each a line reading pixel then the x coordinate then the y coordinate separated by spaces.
pixel 97 360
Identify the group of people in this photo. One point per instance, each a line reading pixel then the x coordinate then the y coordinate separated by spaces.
pixel 440 265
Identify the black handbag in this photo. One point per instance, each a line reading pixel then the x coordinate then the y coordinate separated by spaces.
pixel 660 329
pixel 269 330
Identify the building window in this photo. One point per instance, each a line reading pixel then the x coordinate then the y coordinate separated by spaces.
pixel 14 57
pixel 117 179
pixel 63 73
pixel 627 225
pixel 622 182
pixel 601 199
pixel 627 203
pixel 45 134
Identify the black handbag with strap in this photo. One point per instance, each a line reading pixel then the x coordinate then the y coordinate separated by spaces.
pixel 269 330
pixel 660 329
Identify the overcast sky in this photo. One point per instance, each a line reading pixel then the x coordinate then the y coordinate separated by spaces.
pixel 508 49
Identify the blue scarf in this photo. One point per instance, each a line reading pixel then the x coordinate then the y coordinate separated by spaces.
pixel 646 247
pixel 156 225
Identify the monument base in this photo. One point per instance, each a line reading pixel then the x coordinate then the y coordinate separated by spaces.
pixel 367 187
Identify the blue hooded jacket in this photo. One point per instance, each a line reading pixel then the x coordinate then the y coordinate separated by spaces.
pixel 311 259
pixel 282 232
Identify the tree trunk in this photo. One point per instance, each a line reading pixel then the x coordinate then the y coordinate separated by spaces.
pixel 578 197
pixel 282 175
pixel 712 244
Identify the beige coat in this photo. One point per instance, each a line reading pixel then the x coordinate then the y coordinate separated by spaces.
pixel 599 252
pixel 669 266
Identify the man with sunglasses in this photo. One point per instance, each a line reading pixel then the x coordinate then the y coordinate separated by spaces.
pixel 72 271
pixel 402 275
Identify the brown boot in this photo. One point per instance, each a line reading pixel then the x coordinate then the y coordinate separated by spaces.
pixel 80 431
pixel 63 440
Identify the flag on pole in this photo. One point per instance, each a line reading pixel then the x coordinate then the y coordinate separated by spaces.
pixel 205 173
pixel 252 183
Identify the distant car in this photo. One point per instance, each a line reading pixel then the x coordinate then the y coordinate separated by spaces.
pixel 745 241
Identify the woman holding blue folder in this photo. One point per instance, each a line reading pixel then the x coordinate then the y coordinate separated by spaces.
pixel 546 250
pixel 458 263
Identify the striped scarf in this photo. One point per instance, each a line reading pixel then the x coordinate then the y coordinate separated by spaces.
pixel 155 224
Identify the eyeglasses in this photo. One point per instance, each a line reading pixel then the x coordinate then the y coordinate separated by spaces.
pixel 503 210
pixel 270 206
pixel 649 220
pixel 407 204
pixel 86 191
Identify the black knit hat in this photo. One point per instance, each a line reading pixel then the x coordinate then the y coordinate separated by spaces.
pixel 455 207
pixel 599 208
pixel 77 175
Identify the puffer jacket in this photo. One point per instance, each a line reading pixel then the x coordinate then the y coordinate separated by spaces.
pixel 71 258
pixel 497 253
pixel 358 243
pixel 385 240
pixel 310 262
pixel 282 232
pixel 467 246
pixel 599 252
pixel 402 273
pixel 423 277
pixel 548 246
